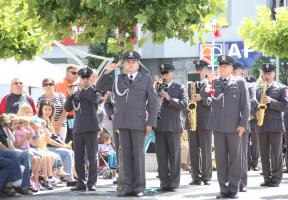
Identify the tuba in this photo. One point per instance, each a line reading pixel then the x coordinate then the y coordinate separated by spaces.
pixel 262 106
pixel 192 108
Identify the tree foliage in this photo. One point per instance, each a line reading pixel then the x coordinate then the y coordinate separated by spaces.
pixel 162 18
pixel 21 37
pixel 265 34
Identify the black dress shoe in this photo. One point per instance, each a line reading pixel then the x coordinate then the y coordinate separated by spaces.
pixel 139 194
pixel 265 184
pixel 91 188
pixel 207 182
pixel 78 188
pixel 273 185
pixel 285 171
pixel 233 196
pixel 194 182
pixel 243 189
pixel 223 196
pixel 126 194
pixel 71 183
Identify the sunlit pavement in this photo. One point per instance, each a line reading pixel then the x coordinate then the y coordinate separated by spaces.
pixel 106 190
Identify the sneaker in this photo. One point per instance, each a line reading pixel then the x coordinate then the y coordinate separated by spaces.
pixel 51 180
pixel 41 188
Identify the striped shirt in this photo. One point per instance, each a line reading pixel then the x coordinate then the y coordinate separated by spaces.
pixel 58 100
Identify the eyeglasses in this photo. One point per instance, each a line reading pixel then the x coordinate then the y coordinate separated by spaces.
pixel 74 73
pixel 49 84
pixel 85 77
pixel 18 83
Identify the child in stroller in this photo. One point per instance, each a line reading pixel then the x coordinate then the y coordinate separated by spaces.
pixel 106 153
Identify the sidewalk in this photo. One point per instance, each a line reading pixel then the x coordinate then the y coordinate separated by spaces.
pixel 106 190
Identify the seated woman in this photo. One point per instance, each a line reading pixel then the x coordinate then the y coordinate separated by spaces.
pixel 55 142
pixel 105 148
pixel 59 119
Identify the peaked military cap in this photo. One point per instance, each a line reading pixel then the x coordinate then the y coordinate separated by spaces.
pixel 131 55
pixel 268 67
pixel 85 72
pixel 166 68
pixel 250 79
pixel 200 64
pixel 225 60
pixel 238 65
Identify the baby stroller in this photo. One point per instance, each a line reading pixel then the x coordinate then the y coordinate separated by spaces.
pixel 104 169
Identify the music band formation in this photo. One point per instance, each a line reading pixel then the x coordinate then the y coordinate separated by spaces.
pixel 233 108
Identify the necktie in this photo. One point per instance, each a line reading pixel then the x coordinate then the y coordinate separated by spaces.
pixel 130 79
pixel 225 82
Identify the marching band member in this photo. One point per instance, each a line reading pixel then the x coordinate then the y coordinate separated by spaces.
pixel 228 120
pixel 273 101
pixel 168 130
pixel 200 140
pixel 84 102
pixel 238 69
pixel 134 93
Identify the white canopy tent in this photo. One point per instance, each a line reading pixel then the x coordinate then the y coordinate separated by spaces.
pixel 30 72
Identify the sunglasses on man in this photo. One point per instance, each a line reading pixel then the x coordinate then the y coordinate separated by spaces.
pixel 74 73
pixel 18 83
pixel 48 84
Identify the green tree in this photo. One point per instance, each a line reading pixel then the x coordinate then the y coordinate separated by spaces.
pixel 162 18
pixel 21 37
pixel 265 34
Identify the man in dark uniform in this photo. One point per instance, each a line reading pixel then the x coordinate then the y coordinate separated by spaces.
pixel 228 120
pixel 84 101
pixel 134 95
pixel 200 141
pixel 271 132
pixel 238 69
pixel 286 140
pixel 253 142
pixel 169 128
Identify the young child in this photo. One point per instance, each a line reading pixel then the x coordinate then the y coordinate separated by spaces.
pixel 20 127
pixel 25 110
pixel 40 145
pixel 105 147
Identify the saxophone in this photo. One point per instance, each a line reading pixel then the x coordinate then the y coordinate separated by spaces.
pixel 262 106
pixel 192 108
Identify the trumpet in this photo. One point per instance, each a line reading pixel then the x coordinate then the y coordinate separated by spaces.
pixel 262 106
pixel 192 108
pixel 160 86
